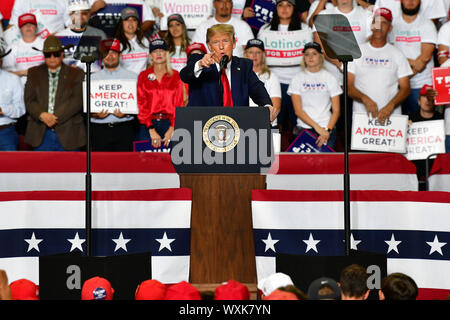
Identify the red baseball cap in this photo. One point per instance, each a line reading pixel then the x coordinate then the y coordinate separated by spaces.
pixel 97 288
pixel 151 290
pixel 110 44
pixel 182 291
pixel 24 289
pixel 423 91
pixel 232 290
pixel 195 46
pixel 384 12
pixel 27 18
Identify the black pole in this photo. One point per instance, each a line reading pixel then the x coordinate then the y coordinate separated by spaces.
pixel 347 226
pixel 88 181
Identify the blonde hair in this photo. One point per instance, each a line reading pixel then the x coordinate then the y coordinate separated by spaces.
pixel 220 28
pixel 264 67
pixel 168 65
pixel 303 63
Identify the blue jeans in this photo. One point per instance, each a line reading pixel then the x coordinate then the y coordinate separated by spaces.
pixel 9 139
pixel 51 142
pixel 161 126
pixel 411 104
pixel 447 143
pixel 287 110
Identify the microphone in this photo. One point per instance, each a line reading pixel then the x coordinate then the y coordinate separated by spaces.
pixel 223 62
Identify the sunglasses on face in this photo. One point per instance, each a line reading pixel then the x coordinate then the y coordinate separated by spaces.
pixel 55 54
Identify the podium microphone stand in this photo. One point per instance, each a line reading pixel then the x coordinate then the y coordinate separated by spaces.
pixel 88 60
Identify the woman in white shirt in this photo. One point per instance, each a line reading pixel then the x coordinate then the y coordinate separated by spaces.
pixel 177 40
pixel 254 50
pixel 134 45
pixel 315 96
pixel 285 18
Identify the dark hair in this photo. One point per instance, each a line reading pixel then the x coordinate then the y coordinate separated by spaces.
pixel 293 289
pixel 399 286
pixel 184 43
pixel 120 35
pixel 295 24
pixel 353 281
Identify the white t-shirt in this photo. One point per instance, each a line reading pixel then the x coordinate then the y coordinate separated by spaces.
pixel 242 31
pixel 359 18
pixel 430 9
pixel 377 72
pixel 285 74
pixel 137 58
pixel 313 8
pixel 23 56
pixel 178 60
pixel 408 37
pixel 147 13
pixel 316 90
pixel 447 107
pixel 444 34
pixel 272 85
pixel 53 13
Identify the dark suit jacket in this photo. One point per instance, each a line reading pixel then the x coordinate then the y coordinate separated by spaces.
pixel 68 106
pixel 204 90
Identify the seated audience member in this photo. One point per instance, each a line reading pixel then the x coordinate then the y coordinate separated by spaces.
pixel 415 36
pixel 223 15
pixel 151 290
pixel 86 39
pixel 159 90
pixel 254 50
pixel 383 64
pixel 398 286
pixel 24 289
pixel 97 288
pixel 315 94
pixel 324 289
pixel 182 291
pixel 279 294
pixel 53 14
pixel 232 290
pixel 12 107
pixel 273 282
pixel 177 41
pixel 353 283
pixel 112 130
pixel 55 121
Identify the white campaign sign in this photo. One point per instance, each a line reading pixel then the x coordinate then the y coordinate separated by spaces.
pixel 284 48
pixel 193 11
pixel 425 138
pixel 370 135
pixel 111 95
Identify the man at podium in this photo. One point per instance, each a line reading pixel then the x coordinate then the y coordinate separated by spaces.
pixel 220 79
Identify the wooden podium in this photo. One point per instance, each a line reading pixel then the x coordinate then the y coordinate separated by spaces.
pixel 222 246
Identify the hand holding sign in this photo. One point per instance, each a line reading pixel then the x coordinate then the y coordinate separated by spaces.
pixel 371 106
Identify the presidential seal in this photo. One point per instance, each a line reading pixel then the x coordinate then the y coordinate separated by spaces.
pixel 221 133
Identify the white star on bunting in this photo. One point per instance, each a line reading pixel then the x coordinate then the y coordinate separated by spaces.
pixel 311 243
pixel 165 243
pixel 33 243
pixel 270 243
pixel 121 243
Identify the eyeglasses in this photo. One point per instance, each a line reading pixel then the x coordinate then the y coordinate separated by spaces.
pixel 55 54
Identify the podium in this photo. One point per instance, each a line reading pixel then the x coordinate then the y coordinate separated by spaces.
pixel 214 153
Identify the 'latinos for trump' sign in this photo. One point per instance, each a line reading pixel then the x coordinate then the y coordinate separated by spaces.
pixel 441 82
pixel 370 135
pixel 425 138
pixel 110 95
pixel 284 48
pixel 193 11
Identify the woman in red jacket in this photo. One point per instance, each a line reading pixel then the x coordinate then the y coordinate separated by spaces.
pixel 159 92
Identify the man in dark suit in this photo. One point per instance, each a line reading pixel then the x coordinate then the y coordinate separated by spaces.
pixel 209 75
pixel 54 102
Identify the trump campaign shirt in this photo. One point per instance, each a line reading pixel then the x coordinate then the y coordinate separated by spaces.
pixel 316 90
pixel 430 9
pixel 408 37
pixel 136 59
pixel 377 72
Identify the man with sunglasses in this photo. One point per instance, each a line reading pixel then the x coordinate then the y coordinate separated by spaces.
pixel 85 38
pixel 54 102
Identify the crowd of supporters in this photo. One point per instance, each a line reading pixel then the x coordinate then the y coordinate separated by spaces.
pixel 352 284
pixel 400 41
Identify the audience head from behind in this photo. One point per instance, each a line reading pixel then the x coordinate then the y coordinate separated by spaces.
pixel 151 289
pixel 24 289
pixel 97 288
pixel 324 288
pixel 232 290
pixel 398 286
pixel 353 283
